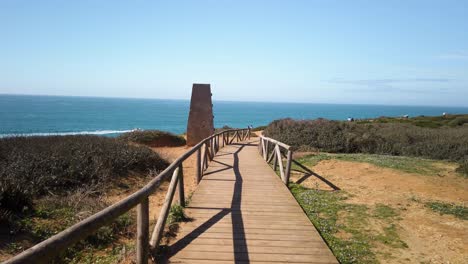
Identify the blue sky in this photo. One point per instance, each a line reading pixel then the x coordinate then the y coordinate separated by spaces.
pixel 374 52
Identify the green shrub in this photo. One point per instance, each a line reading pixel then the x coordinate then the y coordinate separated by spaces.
pixel 34 166
pixel 459 121
pixel 447 143
pixel 463 168
pixel 153 138
pixel 259 128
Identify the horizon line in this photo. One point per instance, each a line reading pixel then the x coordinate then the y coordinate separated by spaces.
pixel 235 101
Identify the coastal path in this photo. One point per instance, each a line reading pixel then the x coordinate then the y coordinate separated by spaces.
pixel 242 212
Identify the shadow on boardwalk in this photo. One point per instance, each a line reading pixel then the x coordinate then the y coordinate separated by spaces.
pixel 238 232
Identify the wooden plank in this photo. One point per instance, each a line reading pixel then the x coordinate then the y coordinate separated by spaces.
pixel 298 249
pixel 317 258
pixel 255 243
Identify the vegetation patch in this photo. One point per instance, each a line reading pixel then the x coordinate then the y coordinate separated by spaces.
pixel 422 121
pixel 176 214
pixel 384 136
pixel 31 167
pixel 259 128
pixel 463 168
pixel 153 138
pixel 406 164
pixel 394 139
pixel 50 183
pixel 347 227
pixel 458 211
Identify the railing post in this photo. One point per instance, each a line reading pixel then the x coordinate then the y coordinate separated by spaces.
pixel 278 157
pixel 181 186
pixel 288 166
pixel 199 165
pixel 212 147
pixel 264 149
pixel 142 232
pixel 206 157
pixel 249 133
pixel 275 162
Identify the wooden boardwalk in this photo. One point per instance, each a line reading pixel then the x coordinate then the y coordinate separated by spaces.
pixel 242 213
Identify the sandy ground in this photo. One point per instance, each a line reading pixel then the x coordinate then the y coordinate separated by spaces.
pixel 431 237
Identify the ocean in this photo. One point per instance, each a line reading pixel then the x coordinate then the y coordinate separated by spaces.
pixel 63 115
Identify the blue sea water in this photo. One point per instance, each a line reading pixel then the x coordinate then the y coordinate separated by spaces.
pixel 44 115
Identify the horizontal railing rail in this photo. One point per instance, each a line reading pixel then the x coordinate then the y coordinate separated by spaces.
pixel 276 156
pixel 48 249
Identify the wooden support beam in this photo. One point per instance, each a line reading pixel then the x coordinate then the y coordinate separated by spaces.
pixel 199 166
pixel 159 228
pixel 142 245
pixel 288 167
pixel 280 161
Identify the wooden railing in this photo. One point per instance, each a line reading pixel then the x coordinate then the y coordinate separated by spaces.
pixel 45 251
pixel 276 156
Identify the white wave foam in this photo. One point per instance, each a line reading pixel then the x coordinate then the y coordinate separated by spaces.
pixel 97 132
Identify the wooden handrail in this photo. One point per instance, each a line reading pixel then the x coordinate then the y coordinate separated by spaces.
pixel 276 157
pixel 46 250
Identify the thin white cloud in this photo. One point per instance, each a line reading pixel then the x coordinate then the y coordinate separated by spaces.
pixel 393 84
pixel 457 55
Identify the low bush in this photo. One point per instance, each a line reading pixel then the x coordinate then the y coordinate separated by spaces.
pixel 31 167
pixel 447 143
pixel 259 128
pixel 459 121
pixel 153 138
pixel 463 168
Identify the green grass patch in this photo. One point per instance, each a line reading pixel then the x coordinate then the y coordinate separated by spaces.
pixel 346 227
pixel 390 237
pixel 384 211
pixel 176 214
pixel 406 164
pixel 458 211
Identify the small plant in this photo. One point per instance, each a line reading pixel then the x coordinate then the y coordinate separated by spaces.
pixel 176 214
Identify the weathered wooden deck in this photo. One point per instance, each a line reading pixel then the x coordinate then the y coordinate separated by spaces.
pixel 242 213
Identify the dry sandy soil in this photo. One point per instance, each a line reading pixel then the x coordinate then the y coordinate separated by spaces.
pixel 430 236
